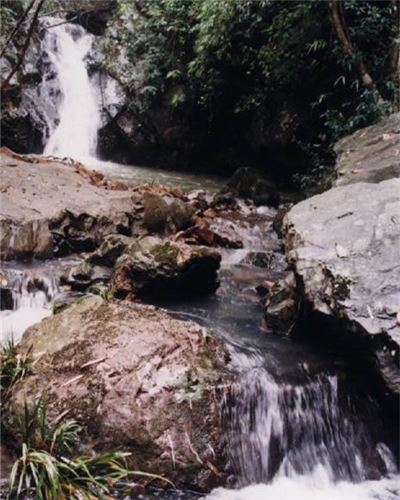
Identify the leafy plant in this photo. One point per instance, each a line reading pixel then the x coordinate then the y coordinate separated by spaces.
pixel 13 367
pixel 49 468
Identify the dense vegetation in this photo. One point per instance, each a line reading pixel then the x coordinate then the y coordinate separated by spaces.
pixel 260 80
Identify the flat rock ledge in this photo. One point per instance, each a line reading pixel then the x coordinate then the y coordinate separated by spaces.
pixel 53 208
pixel 138 380
pixel 371 154
pixel 344 246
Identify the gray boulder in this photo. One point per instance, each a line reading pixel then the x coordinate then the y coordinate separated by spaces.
pixel 109 251
pixel 162 211
pixel 344 245
pixel 84 275
pixel 371 154
pixel 49 207
pixel 156 212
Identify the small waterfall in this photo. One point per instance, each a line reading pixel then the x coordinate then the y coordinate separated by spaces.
pixel 74 132
pixel 25 300
pixel 286 430
pixel 301 441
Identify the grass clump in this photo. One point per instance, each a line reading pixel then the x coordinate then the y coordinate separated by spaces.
pixel 13 367
pixel 49 468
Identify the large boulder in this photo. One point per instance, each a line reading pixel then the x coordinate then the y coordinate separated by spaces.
pixel 371 154
pixel 344 246
pixel 49 207
pixel 138 380
pixel 155 267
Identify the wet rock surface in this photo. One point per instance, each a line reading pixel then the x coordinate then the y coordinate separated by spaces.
pixel 344 247
pixel 280 297
pixel 155 267
pixel 248 182
pixel 138 380
pixel 370 154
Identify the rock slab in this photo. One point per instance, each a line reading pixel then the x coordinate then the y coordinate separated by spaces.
pixel 48 207
pixel 371 154
pixel 344 245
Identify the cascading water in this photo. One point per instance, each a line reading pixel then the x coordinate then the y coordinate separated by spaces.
pixel 26 299
pixel 277 430
pixel 74 133
pixel 291 432
pixel 295 428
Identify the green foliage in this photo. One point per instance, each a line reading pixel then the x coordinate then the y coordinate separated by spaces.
pixel 45 467
pixel 13 367
pixel 10 10
pixel 248 61
pixel 49 468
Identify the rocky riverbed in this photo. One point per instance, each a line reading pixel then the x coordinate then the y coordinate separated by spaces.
pixel 147 381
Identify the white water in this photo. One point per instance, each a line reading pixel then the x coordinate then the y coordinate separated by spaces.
pixel 299 441
pixel 315 486
pixel 79 116
pixel 32 298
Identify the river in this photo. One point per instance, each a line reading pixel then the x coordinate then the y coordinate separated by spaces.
pixel 298 425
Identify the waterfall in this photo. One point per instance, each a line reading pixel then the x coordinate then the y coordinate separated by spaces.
pixel 74 132
pixel 301 441
pixel 282 429
pixel 26 298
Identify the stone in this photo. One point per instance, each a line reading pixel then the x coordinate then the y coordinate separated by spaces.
pixel 225 234
pixel 52 208
pixel 156 212
pixel 344 247
pixel 248 182
pixel 22 239
pixel 137 380
pixel 109 251
pixel 84 275
pixel 156 267
pixel 370 154
pixel 181 214
pixel 280 299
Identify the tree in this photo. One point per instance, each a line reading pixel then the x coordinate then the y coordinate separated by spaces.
pixel 338 21
pixel 21 56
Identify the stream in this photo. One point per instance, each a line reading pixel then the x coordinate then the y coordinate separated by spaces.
pixel 298 425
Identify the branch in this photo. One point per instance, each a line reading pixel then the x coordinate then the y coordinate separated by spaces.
pixel 25 47
pixel 16 28
pixel 61 22
pixel 336 15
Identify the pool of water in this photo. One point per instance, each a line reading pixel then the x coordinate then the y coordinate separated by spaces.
pixel 134 174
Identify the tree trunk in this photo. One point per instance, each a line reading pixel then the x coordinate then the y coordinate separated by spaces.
pixel 339 24
pixel 25 47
